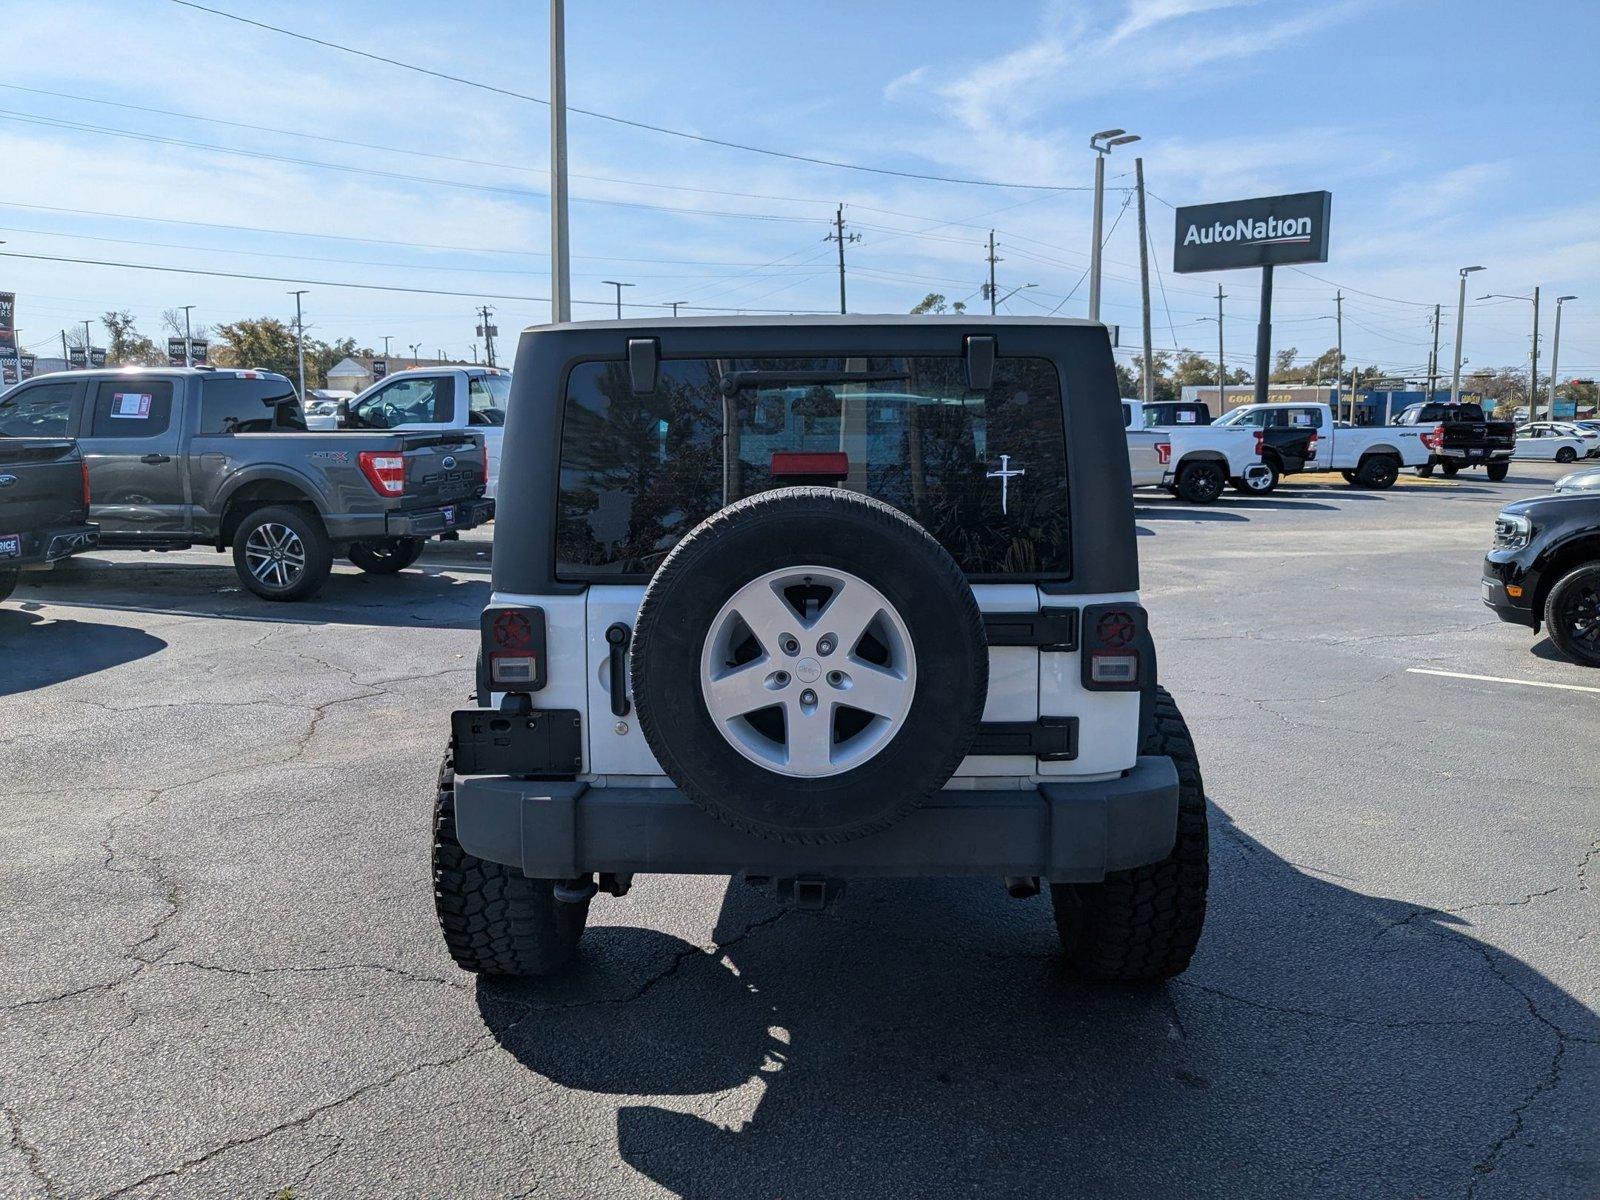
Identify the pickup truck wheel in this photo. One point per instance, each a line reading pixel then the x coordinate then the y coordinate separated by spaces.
pixel 838 664
pixel 1142 925
pixel 1572 615
pixel 1264 482
pixel 1201 482
pixel 1425 471
pixel 1450 469
pixel 8 583
pixel 495 920
pixel 1380 471
pixel 1566 454
pixel 282 553
pixel 1497 471
pixel 1348 476
pixel 388 556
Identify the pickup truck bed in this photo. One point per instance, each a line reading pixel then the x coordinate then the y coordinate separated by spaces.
pixel 43 506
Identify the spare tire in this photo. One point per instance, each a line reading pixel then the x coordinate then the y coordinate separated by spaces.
pixel 809 665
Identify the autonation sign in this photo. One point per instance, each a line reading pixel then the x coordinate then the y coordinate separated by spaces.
pixel 1253 233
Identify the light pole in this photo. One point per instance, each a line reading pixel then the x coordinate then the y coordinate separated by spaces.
pixel 1014 291
pixel 1533 354
pixel 387 338
pixel 619 287
pixel 300 340
pixel 416 347
pixel 87 342
pixel 1555 353
pixel 188 337
pixel 1222 367
pixel 1110 138
pixel 675 304
pixel 560 266
pixel 1461 314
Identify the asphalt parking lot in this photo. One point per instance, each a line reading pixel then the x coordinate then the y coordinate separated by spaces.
pixel 222 976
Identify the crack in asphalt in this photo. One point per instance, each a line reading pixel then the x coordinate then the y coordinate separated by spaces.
pixel 1318 1014
pixel 318 969
pixel 1429 911
pixel 30 1155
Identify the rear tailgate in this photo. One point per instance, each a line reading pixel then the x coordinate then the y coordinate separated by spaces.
pixel 1475 435
pixel 41 484
pixel 442 468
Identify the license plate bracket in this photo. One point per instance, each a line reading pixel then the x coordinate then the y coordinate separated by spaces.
pixel 10 545
pixel 547 741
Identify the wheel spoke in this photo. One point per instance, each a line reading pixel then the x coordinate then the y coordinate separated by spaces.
pixel 874 690
pixel 769 616
pixel 808 737
pixel 849 612
pixel 742 690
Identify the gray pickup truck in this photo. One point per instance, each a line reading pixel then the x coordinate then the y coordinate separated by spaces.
pixel 44 506
pixel 196 456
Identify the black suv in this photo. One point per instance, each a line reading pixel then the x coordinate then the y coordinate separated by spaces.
pixel 1545 566
pixel 810 600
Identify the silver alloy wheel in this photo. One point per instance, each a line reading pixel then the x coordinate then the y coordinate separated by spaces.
pixel 275 555
pixel 1258 477
pixel 830 683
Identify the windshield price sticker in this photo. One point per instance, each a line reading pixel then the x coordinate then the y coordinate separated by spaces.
pixel 131 405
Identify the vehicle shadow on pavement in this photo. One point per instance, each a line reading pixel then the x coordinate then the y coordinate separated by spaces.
pixel 921 1038
pixel 411 598
pixel 36 652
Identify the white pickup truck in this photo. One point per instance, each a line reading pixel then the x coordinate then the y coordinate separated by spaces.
pixel 1193 462
pixel 1305 437
pixel 435 399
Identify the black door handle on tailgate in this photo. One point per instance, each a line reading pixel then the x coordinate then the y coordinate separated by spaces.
pixel 617 639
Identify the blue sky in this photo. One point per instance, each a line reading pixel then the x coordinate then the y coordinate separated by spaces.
pixel 1450 133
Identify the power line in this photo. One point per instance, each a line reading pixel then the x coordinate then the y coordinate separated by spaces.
pixel 338 283
pixel 465 185
pixel 389 60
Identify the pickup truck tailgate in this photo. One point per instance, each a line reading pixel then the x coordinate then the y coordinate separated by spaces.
pixel 442 468
pixel 41 485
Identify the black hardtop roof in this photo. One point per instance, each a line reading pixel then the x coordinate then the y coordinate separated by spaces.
pixel 813 321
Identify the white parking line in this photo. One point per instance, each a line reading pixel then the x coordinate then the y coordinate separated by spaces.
pixel 1565 687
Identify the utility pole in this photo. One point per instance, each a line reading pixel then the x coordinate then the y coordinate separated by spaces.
pixel 188 337
pixel 1338 356
pixel 675 304
pixel 992 260
pixel 387 338
pixel 1555 356
pixel 89 341
pixel 1264 337
pixel 838 235
pixel 619 287
pixel 1433 359
pixel 1149 393
pixel 300 340
pixel 1222 364
pixel 1461 316
pixel 486 331
pixel 66 356
pixel 560 265
pixel 1533 362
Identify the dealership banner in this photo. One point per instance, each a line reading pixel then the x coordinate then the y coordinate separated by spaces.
pixel 199 348
pixel 97 356
pixel 10 362
pixel 75 358
pixel 175 355
pixel 29 362
pixel 1264 232
pixel 8 316
pixel 10 366
pixel 380 368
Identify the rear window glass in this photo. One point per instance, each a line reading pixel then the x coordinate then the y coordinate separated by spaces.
pixel 983 472
pixel 415 400
pixel 233 405
pixel 488 397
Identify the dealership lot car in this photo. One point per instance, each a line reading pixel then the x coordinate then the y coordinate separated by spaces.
pixel 1544 568
pixel 44 502
pixel 1548 444
pixel 1588 438
pixel 1580 481
pixel 437 399
pixel 781 621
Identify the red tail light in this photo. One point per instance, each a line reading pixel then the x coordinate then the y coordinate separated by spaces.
pixel 1311 447
pixel 1435 439
pixel 385 471
pixel 1164 453
pixel 1112 637
pixel 1261 440
pixel 514 648
pixel 83 469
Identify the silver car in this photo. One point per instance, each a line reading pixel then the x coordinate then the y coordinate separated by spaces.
pixel 1587 480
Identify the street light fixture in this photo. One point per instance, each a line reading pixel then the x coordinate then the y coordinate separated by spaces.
pixel 416 347
pixel 1461 316
pixel 619 287
pixel 1101 143
pixel 1555 354
pixel 1533 354
pixel 1014 291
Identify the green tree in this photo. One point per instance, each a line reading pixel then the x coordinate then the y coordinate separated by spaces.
pixel 934 302
pixel 264 343
pixel 322 357
pixel 126 346
pixel 1582 392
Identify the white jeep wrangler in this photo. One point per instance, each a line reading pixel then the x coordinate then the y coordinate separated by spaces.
pixel 807 600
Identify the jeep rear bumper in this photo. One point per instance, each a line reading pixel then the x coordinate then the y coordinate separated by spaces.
pixel 1067 832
